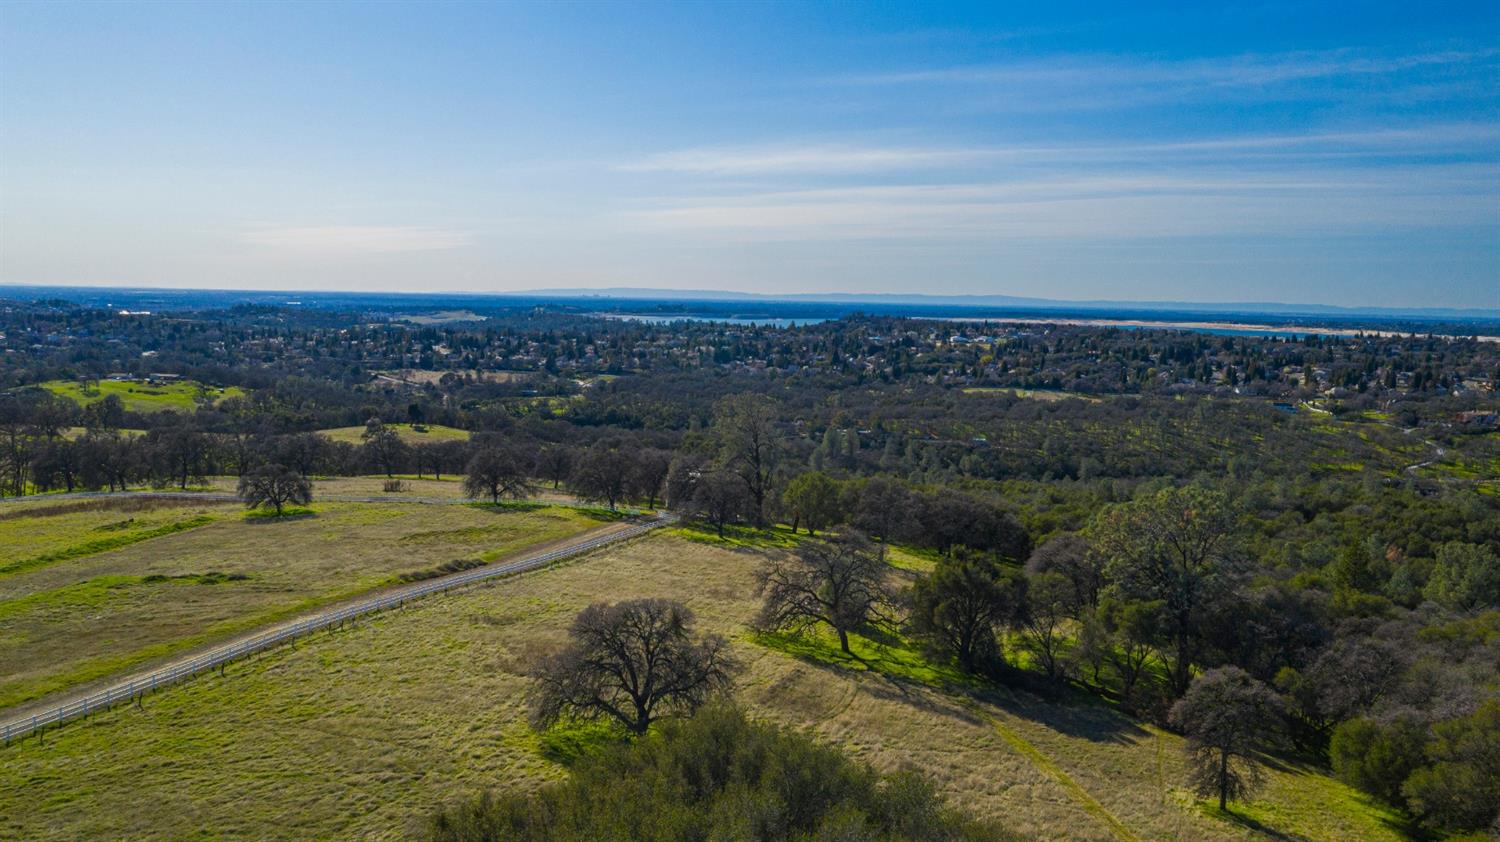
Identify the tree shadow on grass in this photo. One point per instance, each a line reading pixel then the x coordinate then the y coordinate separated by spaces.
pixel 1254 825
pixel 902 674
pixel 1064 712
pixel 267 516
pixel 890 679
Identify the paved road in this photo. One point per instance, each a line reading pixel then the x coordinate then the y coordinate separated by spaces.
pixel 25 720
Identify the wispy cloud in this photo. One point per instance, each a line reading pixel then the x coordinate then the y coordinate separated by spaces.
pixel 1138 204
pixel 844 159
pixel 1112 81
pixel 1248 69
pixel 829 158
pixel 354 240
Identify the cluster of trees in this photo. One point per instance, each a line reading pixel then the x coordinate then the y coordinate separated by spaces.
pixel 1158 604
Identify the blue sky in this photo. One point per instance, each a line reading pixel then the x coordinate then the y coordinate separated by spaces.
pixel 1282 152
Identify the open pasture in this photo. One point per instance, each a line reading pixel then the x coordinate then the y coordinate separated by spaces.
pixel 409 434
pixel 176 574
pixel 139 396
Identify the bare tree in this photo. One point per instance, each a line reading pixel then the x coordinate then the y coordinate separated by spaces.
pixel 555 463
pixel 274 485
pixel 839 582
pixel 749 446
pixel 1224 715
pixel 603 474
pixel 1071 555
pixel 649 475
pixel 383 447
pixel 497 471
pixel 719 498
pixel 632 661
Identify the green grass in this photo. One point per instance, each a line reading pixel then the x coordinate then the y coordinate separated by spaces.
pixel 273 568
pixel 891 657
pixel 739 537
pixel 287 513
pixel 41 533
pixel 182 395
pixel 360 733
pixel 432 433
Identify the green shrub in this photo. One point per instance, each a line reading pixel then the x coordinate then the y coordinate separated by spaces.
pixel 717 776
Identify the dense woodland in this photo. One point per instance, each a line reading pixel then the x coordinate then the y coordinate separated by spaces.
pixel 1302 532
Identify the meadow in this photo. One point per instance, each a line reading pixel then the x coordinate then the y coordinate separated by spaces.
pixel 137 396
pixel 89 588
pixel 360 733
pixel 429 433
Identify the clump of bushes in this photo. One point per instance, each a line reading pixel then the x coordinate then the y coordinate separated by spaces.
pixel 718 775
pixel 454 566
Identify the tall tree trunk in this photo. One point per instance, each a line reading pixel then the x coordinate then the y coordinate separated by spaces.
pixel 1223 779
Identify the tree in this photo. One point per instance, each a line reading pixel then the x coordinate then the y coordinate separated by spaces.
pixel 1176 546
pixel 633 661
pixel 882 508
pixel 110 461
pixel 839 582
pixel 749 446
pixel 178 456
pixel 811 498
pixel 496 471
pixel 719 498
pixel 961 604
pixel 947 518
pixel 1224 713
pixel 1460 790
pixel 383 447
pixel 1133 629
pixel 274 485
pixel 1378 757
pixel 302 452
pixel 648 477
pixel 1466 577
pixel 602 474
pixel 555 463
pixel 1072 556
pixel 1049 601
pixel 104 416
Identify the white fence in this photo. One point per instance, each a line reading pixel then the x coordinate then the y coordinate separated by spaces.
pixel 137 686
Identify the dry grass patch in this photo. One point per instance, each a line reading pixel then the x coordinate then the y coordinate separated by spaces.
pixel 141 602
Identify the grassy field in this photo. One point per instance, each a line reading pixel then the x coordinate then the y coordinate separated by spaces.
pixel 181 396
pixel 357 734
pixel 1034 394
pixel 93 587
pixel 434 432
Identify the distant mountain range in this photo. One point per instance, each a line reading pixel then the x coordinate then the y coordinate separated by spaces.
pixel 1013 302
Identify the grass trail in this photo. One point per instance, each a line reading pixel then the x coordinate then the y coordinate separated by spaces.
pixel 1039 759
